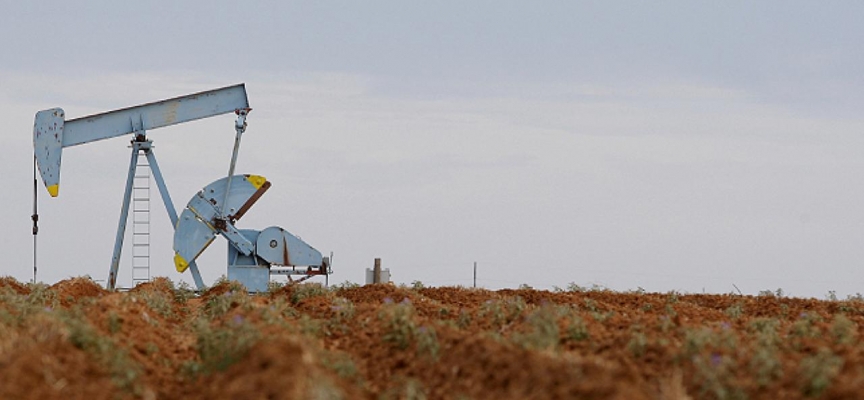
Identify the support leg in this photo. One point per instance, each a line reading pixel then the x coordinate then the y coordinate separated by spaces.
pixel 172 213
pixel 124 215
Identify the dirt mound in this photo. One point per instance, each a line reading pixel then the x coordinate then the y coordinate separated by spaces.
pixel 70 291
pixel 458 297
pixel 157 285
pixel 52 370
pixel 385 341
pixel 478 368
pixel 151 331
pixel 10 283
pixel 382 294
pixel 376 294
pixel 44 360
pixel 278 369
pixel 221 289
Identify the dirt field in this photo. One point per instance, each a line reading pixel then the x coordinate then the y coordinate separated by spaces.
pixel 74 340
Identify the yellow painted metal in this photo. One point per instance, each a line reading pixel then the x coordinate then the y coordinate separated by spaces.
pixel 256 180
pixel 180 263
pixel 53 190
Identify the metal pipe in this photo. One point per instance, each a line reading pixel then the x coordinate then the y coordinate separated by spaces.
pixel 376 272
pixel 35 216
pixel 240 127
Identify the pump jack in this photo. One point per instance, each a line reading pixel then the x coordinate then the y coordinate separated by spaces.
pixel 253 255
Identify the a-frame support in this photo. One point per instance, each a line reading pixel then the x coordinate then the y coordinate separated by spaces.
pixel 142 144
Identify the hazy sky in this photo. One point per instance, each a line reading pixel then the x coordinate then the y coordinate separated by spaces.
pixel 665 145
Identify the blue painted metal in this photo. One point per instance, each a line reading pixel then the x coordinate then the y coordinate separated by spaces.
pixel 279 247
pixel 156 115
pixel 246 269
pixel 207 215
pixel 169 207
pixel 124 215
pixel 212 211
pixel 239 127
pixel 47 143
pixel 241 192
pixel 200 221
pixel 51 133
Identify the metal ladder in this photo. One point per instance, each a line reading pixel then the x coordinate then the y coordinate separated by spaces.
pixel 141 223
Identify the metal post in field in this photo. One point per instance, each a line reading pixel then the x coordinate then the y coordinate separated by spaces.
pixel 376 273
pixel 35 218
pixel 475 274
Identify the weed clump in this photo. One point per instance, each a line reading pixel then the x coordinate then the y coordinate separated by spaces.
pixel 219 347
pixel 503 312
pixel 232 295
pixel 124 372
pixel 543 331
pixel 818 371
pixel 306 291
pixel 401 330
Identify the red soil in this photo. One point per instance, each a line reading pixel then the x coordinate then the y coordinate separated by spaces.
pixel 382 341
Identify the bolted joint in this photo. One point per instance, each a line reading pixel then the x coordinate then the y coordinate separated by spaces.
pixel 240 124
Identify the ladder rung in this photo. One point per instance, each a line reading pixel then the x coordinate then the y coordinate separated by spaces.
pixel 141 222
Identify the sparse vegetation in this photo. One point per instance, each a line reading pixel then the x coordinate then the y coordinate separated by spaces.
pixel 415 341
pixel 307 290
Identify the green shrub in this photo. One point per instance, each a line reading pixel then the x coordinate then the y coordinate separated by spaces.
pixel 156 301
pixel 766 331
pixel 638 344
pixel 219 305
pixel 399 324
pixel 219 347
pixel 274 286
pixel 843 330
pixel 735 311
pixel 575 330
pixel 818 371
pixel 806 326
pixel 401 329
pixel 464 319
pixel 574 288
pixel 427 342
pixel 307 290
pixel 277 312
pixel 504 311
pixel 124 371
pixel 42 295
pixel 345 285
pixel 765 365
pixel 542 332
pixel 343 312
pixel 183 292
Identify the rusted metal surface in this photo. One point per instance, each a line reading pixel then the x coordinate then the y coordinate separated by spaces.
pixel 286 258
pixel 249 203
